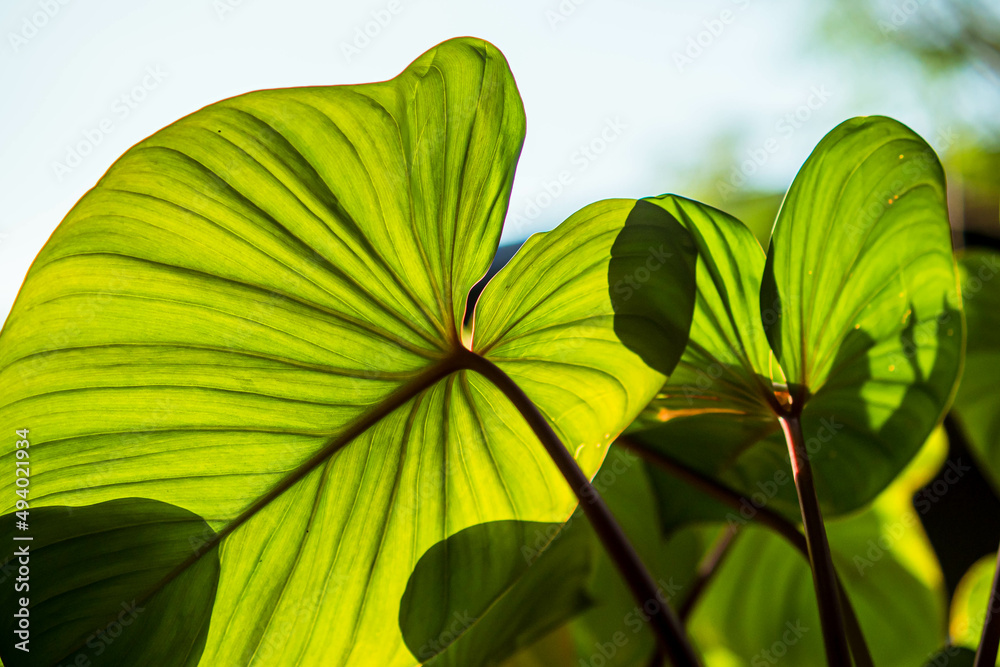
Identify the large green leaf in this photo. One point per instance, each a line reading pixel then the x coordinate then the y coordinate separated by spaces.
pixel 977 404
pixel 857 299
pixel 256 315
pixel 760 607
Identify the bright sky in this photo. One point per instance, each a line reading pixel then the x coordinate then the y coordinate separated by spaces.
pixel 96 78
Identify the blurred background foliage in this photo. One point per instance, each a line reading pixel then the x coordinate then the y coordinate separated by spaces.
pixel 951 48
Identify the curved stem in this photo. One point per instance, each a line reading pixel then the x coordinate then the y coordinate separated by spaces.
pixel 824 574
pixel 986 655
pixel 664 622
pixel 764 516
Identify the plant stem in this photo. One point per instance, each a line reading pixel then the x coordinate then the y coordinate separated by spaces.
pixel 824 574
pixel 707 567
pixel 665 624
pixel 986 655
pixel 764 516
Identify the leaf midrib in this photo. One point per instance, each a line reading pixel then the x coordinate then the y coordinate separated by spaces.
pixel 460 359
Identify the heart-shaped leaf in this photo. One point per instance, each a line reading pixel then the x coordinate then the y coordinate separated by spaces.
pixel 857 300
pixel 256 316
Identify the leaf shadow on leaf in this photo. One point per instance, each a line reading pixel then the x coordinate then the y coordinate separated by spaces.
pixel 460 607
pixel 653 320
pixel 845 408
pixel 98 594
pixel 838 429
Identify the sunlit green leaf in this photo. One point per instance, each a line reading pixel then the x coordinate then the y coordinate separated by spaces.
pixel 857 299
pixel 256 316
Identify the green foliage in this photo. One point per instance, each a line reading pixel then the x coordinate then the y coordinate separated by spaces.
pixel 256 416
pixel 857 299
pixel 256 316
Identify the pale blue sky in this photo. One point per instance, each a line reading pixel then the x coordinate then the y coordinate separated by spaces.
pixel 119 70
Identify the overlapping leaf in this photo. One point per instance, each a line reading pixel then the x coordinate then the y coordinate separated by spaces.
pixel 255 316
pixel 612 630
pixel 857 300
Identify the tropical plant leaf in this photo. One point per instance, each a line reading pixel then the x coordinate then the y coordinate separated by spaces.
pixel 452 614
pixel 977 404
pixel 857 299
pixel 761 607
pixel 256 316
pixel 83 569
pixel 969 603
pixel 611 631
